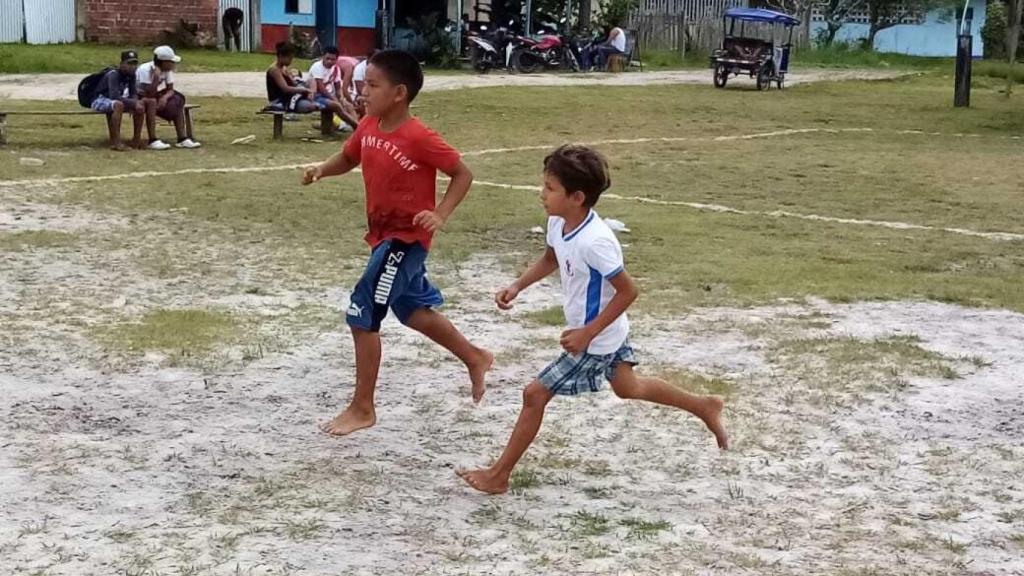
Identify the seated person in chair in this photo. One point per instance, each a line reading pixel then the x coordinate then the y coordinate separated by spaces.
pixel 599 54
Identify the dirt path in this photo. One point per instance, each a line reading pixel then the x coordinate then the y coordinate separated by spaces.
pixel 251 84
pixel 848 456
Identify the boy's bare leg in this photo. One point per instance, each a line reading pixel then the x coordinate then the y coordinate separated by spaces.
pixel 360 412
pixel 494 480
pixel 338 108
pixel 627 385
pixel 114 127
pixel 435 326
pixel 150 107
pixel 138 119
pixel 179 126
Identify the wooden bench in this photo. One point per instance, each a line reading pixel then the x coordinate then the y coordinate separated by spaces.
pixel 326 120
pixel 189 124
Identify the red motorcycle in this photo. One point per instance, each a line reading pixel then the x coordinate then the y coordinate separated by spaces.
pixel 549 52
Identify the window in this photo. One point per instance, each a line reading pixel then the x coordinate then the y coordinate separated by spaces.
pixel 298 6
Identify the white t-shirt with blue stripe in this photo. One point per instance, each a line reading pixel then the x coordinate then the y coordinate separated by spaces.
pixel 588 257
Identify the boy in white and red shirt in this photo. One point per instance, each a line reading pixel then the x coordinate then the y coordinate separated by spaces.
pixel 400 158
pixel 596 292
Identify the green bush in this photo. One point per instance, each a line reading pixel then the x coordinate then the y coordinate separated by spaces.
pixel 993 33
pixel 616 12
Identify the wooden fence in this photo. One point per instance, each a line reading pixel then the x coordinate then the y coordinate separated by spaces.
pixel 686 25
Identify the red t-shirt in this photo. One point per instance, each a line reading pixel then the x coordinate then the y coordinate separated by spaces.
pixel 400 174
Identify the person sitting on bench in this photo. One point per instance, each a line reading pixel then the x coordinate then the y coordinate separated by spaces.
pixel 116 95
pixel 598 54
pixel 155 81
pixel 231 22
pixel 325 77
pixel 283 91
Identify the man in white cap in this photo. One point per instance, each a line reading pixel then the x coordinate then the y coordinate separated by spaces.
pixel 155 80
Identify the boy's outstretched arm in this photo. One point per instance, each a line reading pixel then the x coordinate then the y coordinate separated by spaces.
pixel 540 269
pixel 334 166
pixel 577 340
pixel 461 179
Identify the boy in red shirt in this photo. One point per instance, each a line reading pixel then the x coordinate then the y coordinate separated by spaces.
pixel 400 157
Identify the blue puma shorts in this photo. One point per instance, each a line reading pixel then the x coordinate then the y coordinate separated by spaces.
pixel 395 278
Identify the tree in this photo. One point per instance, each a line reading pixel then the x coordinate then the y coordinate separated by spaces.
pixel 802 9
pixel 583 16
pixel 884 14
pixel 993 33
pixel 1014 9
pixel 615 13
pixel 836 13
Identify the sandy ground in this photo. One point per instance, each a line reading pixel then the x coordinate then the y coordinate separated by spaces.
pixel 252 85
pixel 114 464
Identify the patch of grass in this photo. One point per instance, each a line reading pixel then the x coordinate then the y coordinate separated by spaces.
pixel 552 316
pixel 300 529
pixel 697 383
pixel 590 524
pixel 34 239
pixel 954 546
pixel 523 479
pixel 851 55
pixel 1011 516
pixel 849 364
pixel 183 334
pixel 87 57
pixel 640 529
pixel 598 492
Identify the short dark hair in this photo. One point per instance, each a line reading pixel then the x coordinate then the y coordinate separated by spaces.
pixel 331 50
pixel 401 68
pixel 579 169
pixel 285 49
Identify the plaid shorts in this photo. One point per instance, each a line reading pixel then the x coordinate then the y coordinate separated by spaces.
pixel 572 375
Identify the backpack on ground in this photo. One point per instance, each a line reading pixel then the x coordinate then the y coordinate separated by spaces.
pixel 90 85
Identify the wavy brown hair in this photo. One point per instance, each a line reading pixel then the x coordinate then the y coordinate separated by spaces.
pixel 579 169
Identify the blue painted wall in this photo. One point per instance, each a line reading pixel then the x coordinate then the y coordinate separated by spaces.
pixel 351 13
pixel 272 12
pixel 357 13
pixel 935 37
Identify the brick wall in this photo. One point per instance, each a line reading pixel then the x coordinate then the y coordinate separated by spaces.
pixel 140 22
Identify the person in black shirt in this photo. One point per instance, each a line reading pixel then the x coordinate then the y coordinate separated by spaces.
pixel 116 95
pixel 283 91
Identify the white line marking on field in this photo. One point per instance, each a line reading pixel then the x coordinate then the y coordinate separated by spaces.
pixel 485 152
pixel 1002 236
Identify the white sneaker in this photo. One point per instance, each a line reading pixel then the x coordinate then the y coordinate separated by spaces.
pixel 344 128
pixel 159 145
pixel 188 143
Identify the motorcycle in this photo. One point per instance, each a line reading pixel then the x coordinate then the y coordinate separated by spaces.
pixel 492 51
pixel 551 52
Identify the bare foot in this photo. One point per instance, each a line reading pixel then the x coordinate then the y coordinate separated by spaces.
pixel 485 481
pixel 119 148
pixel 349 421
pixel 478 371
pixel 712 417
pixel 138 145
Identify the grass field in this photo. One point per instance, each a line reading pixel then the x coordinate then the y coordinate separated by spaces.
pixel 842 262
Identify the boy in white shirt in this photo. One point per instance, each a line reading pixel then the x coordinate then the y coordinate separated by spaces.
pixel 597 291
pixel 327 79
pixel 155 80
